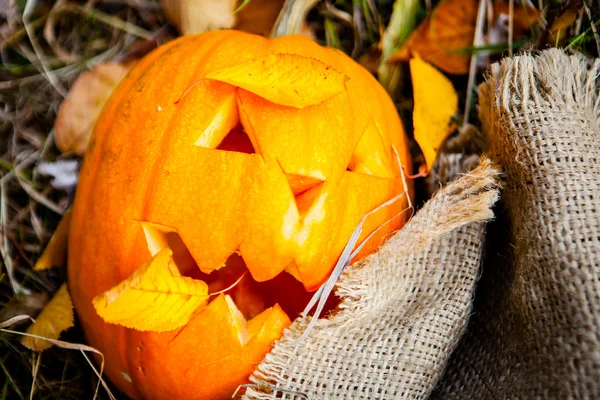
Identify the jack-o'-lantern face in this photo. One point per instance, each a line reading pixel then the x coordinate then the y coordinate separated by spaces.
pixel 237 153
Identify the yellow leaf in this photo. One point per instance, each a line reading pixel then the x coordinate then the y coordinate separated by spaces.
pixel 55 318
pixel 154 298
pixel 435 103
pixel 286 79
pixel 55 253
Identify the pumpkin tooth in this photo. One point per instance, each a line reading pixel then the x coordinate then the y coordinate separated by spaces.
pixel 246 330
pixel 238 322
pixel 258 323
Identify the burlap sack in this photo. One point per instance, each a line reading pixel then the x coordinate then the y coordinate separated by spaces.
pixel 535 329
pixel 403 310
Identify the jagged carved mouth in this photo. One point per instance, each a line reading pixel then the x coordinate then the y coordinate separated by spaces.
pixel 233 278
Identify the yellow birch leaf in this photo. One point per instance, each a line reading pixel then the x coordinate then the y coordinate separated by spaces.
pixel 54 319
pixel 286 79
pixel 55 253
pixel 435 103
pixel 154 298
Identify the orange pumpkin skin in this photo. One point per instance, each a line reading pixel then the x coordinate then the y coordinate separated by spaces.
pixel 143 165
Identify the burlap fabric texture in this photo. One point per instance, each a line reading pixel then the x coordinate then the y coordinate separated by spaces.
pixel 535 328
pixel 403 311
pixel 534 331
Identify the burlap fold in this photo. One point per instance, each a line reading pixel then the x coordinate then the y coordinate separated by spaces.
pixel 535 329
pixel 403 310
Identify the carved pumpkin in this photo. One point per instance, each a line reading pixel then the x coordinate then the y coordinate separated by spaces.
pixel 219 153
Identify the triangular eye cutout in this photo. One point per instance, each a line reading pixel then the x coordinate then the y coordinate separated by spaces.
pixel 237 140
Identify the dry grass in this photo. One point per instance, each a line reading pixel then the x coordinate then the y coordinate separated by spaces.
pixel 44 47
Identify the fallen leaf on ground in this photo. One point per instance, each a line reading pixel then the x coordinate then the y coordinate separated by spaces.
pixel 55 253
pixel 435 104
pixel 54 319
pixel 445 38
pixel 154 298
pixel 286 79
pixel 78 112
